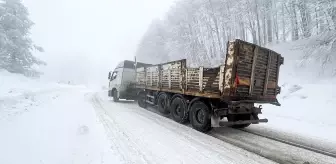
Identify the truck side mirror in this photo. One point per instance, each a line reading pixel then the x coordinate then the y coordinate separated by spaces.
pixel 109 75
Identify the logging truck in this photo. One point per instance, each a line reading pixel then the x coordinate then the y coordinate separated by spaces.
pixel 226 95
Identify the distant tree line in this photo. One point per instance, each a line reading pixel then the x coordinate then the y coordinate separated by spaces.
pixel 199 29
pixel 16 45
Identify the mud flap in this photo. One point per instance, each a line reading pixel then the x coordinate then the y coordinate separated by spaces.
pixel 215 121
pixel 276 103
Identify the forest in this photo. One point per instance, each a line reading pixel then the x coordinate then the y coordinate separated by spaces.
pixel 198 30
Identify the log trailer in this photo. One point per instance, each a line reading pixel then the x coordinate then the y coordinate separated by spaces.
pixel 206 97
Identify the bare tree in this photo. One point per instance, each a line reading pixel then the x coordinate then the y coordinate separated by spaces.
pixel 199 29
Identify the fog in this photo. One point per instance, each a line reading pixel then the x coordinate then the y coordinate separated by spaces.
pixel 85 39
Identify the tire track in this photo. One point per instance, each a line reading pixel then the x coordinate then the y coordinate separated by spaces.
pixel 118 138
pixel 222 151
pixel 265 147
pixel 180 156
pixel 293 144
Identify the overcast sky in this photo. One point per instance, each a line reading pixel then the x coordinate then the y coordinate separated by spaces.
pixel 96 34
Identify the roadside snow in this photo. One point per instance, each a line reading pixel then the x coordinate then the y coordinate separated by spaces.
pixel 15 84
pixel 308 110
pixel 308 100
pixel 49 123
pixel 18 93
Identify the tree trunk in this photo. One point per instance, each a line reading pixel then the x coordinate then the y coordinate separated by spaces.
pixel 242 30
pixel 276 26
pixel 295 27
pixel 283 22
pixel 333 15
pixel 317 20
pixel 253 32
pixel 264 33
pixel 269 21
pixel 305 18
pixel 258 21
pixel 216 27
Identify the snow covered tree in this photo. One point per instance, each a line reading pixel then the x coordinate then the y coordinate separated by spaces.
pixel 16 44
pixel 198 30
pixel 2 36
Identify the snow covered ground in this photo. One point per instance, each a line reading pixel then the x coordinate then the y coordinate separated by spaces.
pixel 307 110
pixel 308 99
pixel 49 123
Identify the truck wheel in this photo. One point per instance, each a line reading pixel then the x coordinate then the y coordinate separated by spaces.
pixel 178 110
pixel 142 100
pixel 109 93
pixel 163 103
pixel 115 96
pixel 241 117
pixel 200 116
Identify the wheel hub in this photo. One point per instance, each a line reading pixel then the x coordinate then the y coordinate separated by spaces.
pixel 200 116
pixel 178 110
pixel 163 104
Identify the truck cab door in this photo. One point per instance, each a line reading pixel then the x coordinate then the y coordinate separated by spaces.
pixel 113 80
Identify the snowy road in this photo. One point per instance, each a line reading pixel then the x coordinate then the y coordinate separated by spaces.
pixel 140 136
pixel 268 148
pixel 155 132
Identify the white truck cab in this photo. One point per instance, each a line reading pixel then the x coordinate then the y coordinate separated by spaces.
pixel 120 80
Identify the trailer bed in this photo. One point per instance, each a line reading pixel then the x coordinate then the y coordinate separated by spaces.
pixel 249 73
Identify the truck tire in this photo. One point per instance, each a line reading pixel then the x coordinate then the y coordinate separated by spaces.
pixel 109 93
pixel 178 110
pixel 162 103
pixel 142 100
pixel 239 118
pixel 200 116
pixel 115 96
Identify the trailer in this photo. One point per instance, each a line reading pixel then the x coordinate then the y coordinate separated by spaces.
pixel 212 97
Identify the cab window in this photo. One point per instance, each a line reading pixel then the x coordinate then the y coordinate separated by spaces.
pixel 114 75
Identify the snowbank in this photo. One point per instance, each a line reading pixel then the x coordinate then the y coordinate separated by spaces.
pixel 308 98
pixel 61 127
pixel 17 84
pixel 18 93
pixel 50 123
pixel 307 109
